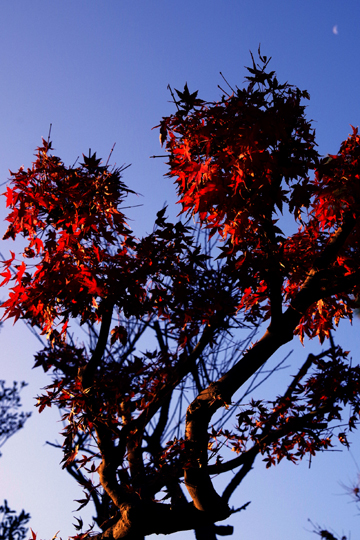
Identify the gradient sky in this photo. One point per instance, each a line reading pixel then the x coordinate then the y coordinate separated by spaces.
pixel 98 72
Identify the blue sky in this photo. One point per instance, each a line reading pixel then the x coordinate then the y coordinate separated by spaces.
pixel 98 72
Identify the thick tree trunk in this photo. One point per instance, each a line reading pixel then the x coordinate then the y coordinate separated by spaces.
pixel 143 519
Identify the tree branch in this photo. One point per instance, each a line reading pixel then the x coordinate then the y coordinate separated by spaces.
pixel 86 373
pixel 240 475
pixel 200 411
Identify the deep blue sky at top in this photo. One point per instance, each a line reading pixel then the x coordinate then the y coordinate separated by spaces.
pixel 98 72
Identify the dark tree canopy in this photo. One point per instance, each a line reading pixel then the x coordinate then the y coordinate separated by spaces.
pixel 175 320
pixel 12 526
pixel 11 420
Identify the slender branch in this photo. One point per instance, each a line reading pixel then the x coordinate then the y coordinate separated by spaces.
pixel 102 514
pixel 160 337
pixel 294 424
pixel 300 374
pixel 181 369
pixel 132 344
pixel 154 441
pixel 86 373
pixel 172 95
pixel 240 475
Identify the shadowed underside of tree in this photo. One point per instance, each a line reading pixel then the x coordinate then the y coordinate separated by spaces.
pixel 175 320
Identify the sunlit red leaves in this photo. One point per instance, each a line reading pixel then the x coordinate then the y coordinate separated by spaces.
pixel 324 316
pixel 227 157
pixel 70 217
pixel 229 160
pixel 338 184
pixel 238 163
pixel 7 276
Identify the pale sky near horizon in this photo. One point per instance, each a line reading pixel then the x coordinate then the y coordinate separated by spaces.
pixel 98 72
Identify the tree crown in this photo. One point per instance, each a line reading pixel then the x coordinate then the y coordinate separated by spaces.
pixel 243 166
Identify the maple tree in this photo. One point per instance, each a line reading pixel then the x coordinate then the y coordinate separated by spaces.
pixel 147 432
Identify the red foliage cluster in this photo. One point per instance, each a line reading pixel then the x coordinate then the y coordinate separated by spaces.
pixel 70 218
pixel 77 238
pixel 239 165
